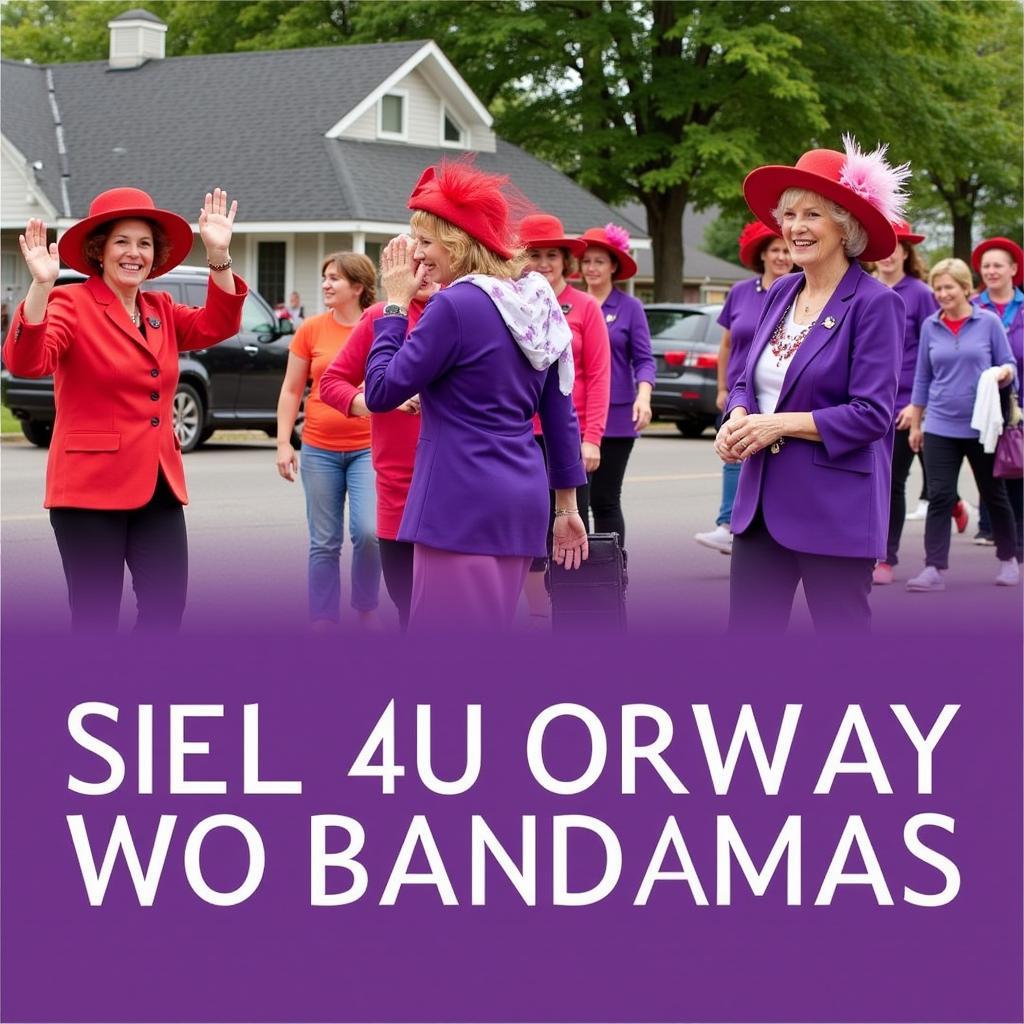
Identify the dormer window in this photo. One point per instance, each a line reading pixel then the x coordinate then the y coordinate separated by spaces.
pixel 392 116
pixel 452 132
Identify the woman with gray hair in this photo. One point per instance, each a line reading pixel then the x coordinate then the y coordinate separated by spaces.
pixel 811 417
pixel 961 346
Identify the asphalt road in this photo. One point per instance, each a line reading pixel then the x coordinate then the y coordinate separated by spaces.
pixel 247 539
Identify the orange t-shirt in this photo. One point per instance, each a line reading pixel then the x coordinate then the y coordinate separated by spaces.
pixel 318 340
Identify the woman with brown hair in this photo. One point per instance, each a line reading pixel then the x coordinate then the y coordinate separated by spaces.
pixel 335 448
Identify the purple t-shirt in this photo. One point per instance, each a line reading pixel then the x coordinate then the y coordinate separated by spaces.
pixel 740 316
pixel 920 304
pixel 1015 331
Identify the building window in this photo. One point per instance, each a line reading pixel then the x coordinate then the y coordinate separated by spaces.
pixel 391 116
pixel 270 269
pixel 452 133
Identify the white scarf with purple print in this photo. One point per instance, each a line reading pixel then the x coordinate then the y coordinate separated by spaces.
pixel 531 312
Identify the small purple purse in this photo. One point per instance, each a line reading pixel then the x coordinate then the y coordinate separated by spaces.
pixel 1009 457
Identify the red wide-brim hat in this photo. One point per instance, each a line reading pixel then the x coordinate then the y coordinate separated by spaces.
pixel 905 233
pixel 118 204
pixel 471 200
pixel 863 183
pixel 753 238
pixel 542 231
pixel 1015 251
pixel 616 241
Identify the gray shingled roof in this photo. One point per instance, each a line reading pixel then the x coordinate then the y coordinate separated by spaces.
pixel 253 123
pixel 697 264
pixel 138 14
pixel 28 122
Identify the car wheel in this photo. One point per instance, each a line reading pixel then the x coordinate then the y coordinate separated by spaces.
pixel 40 434
pixel 690 428
pixel 188 417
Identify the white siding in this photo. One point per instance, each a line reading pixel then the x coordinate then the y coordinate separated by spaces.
pixel 18 199
pixel 364 127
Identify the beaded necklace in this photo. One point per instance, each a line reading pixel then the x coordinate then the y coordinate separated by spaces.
pixel 783 345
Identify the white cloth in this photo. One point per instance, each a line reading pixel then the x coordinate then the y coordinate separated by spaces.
pixel 770 370
pixel 987 417
pixel 531 312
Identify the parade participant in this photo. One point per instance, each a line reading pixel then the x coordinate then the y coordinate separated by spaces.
pixel 765 251
pixel 115 484
pixel 393 437
pixel 811 415
pixel 606 260
pixel 1000 263
pixel 336 458
pixel 958 345
pixel 296 311
pixel 904 272
pixel 550 253
pixel 487 353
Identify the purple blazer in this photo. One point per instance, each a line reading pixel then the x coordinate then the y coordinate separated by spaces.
pixel 632 358
pixel 829 497
pixel 479 484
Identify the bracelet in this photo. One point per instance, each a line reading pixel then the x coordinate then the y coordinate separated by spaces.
pixel 565 512
pixel 215 267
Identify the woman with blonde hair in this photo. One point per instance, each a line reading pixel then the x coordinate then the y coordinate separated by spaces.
pixel 489 351
pixel 961 345
pixel 336 461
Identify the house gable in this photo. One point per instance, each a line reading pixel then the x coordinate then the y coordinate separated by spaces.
pixel 428 88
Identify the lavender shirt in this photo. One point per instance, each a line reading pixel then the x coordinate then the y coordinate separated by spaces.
pixel 632 358
pixel 479 485
pixel 1015 331
pixel 920 302
pixel 948 368
pixel 740 315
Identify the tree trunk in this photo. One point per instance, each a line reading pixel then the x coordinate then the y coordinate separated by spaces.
pixel 962 226
pixel 665 226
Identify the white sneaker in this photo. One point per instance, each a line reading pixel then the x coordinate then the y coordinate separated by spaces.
pixel 718 539
pixel 921 512
pixel 927 581
pixel 1009 573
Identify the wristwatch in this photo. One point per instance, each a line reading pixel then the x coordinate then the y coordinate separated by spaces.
pixel 393 309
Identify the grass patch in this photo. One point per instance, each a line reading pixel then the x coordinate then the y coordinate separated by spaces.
pixel 8 424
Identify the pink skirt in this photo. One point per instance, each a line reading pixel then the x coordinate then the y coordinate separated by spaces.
pixel 457 592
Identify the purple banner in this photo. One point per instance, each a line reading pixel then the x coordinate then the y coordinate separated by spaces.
pixel 652 828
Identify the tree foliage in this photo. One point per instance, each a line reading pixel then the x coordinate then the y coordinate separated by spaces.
pixel 667 101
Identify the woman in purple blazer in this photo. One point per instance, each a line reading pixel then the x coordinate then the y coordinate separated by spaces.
pixel 487 353
pixel 811 416
pixel 763 250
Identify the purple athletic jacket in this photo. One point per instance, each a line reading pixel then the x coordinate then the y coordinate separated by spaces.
pixel 829 497
pixel 479 485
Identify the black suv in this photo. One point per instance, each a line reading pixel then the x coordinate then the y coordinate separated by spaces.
pixel 233 385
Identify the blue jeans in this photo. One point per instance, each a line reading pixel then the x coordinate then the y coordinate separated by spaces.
pixel 730 481
pixel 326 477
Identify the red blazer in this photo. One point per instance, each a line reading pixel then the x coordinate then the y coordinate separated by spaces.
pixel 114 389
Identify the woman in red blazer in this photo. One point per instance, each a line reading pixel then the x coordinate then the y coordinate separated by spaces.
pixel 115 486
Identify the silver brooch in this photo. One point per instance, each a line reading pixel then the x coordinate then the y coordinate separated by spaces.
pixel 566 307
pixel 829 322
pixel 153 322
pixel 610 318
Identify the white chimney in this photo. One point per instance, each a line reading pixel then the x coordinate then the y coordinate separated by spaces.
pixel 135 37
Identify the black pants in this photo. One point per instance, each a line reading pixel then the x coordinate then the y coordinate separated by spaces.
pixel 606 486
pixel 902 460
pixel 582 503
pixel 396 563
pixel 96 544
pixel 764 575
pixel 1015 492
pixel 943 457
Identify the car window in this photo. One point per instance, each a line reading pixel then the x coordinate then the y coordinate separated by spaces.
pixel 255 316
pixel 676 324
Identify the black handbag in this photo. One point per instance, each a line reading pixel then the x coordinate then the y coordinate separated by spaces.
pixel 592 597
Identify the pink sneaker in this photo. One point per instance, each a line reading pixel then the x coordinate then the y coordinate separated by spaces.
pixel 882 575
